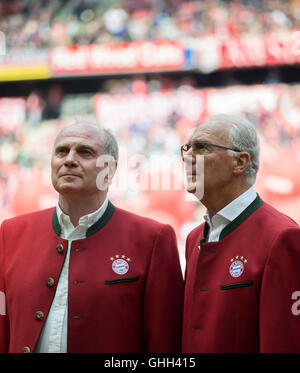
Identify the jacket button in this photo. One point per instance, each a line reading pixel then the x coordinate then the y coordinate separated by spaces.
pixel 25 349
pixel 39 315
pixel 60 248
pixel 50 282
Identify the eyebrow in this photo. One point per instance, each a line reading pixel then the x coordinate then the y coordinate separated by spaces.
pixel 201 142
pixel 86 147
pixel 77 147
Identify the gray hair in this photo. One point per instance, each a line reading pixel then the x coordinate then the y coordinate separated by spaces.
pixel 243 136
pixel 111 145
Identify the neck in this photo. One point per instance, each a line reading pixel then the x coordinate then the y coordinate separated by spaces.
pixel 77 206
pixel 216 201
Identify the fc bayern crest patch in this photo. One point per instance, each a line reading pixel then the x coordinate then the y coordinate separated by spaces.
pixel 120 264
pixel 237 266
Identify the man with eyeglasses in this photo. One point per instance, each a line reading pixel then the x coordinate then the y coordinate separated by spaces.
pixel 242 264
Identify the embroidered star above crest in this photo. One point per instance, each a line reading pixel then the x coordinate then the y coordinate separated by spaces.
pixel 237 257
pixel 117 256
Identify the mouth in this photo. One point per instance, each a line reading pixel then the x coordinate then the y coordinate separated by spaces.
pixel 192 170
pixel 70 175
pixel 192 174
pixel 193 177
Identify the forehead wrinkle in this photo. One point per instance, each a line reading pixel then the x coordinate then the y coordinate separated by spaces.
pixel 74 144
pixel 214 131
pixel 82 133
pixel 70 139
pixel 81 130
pixel 95 148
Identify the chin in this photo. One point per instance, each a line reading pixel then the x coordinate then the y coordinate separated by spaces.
pixel 63 189
pixel 191 185
pixel 196 189
pixel 191 189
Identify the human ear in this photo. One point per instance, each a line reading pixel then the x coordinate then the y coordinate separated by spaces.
pixel 108 168
pixel 241 163
pixel 112 168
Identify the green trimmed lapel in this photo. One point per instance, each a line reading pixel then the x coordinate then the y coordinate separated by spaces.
pixel 110 209
pixel 205 233
pixel 94 228
pixel 242 217
pixel 55 223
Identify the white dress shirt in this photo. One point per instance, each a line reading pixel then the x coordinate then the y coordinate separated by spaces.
pixel 53 337
pixel 228 213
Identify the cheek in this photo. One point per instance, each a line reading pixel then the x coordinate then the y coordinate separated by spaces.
pixel 53 174
pixel 91 172
pixel 216 170
pixel 55 165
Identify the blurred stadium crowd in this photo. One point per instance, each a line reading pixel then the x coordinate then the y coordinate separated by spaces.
pixel 42 24
pixel 28 131
pixel 25 144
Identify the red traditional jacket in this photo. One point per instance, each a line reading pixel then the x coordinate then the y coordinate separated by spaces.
pixel 125 283
pixel 241 292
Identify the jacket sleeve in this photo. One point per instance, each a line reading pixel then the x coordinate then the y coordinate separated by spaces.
pixel 280 296
pixel 163 299
pixel 4 325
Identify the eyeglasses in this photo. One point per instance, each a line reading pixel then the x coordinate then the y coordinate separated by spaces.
pixel 201 147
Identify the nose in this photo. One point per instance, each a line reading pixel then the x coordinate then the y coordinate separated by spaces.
pixel 189 157
pixel 71 159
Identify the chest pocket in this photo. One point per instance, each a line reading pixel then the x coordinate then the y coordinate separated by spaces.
pixel 236 285
pixel 121 280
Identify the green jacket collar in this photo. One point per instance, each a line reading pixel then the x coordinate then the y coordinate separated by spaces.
pixel 237 221
pixel 94 228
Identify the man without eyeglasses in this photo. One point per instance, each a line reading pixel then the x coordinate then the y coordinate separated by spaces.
pixel 86 276
pixel 242 264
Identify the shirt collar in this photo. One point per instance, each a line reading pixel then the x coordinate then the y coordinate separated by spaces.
pixel 231 211
pixel 85 221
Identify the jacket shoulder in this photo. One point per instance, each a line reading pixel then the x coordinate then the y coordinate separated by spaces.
pixel 275 219
pixel 36 217
pixel 139 221
pixel 196 233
